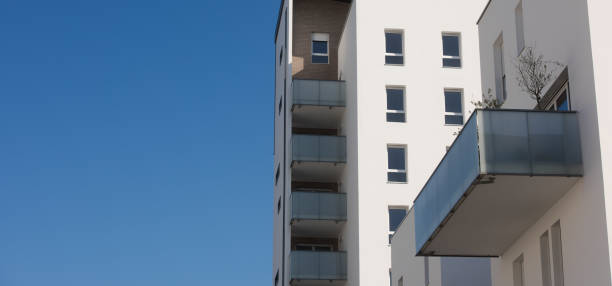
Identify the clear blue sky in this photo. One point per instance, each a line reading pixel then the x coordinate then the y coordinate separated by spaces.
pixel 136 142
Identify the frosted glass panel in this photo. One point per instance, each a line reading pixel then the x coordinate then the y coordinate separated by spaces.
pixel 319 148
pixel 318 206
pixel 318 265
pixel 319 92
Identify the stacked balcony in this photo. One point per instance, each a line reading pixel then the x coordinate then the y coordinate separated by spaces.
pixel 502 173
pixel 318 208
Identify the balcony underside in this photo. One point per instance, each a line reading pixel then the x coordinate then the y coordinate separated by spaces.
pixel 316 171
pixel 494 213
pixel 317 228
pixel 313 116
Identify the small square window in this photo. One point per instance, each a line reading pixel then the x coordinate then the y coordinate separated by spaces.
pixel 394 50
pixel 451 51
pixel 395 105
pixel 320 48
pixel 396 164
pixel 453 106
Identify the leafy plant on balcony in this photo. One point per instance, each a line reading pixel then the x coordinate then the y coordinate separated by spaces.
pixel 534 72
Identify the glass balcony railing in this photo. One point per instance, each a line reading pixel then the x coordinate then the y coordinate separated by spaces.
pixel 318 148
pixel 319 92
pixel 318 206
pixel 498 143
pixel 318 265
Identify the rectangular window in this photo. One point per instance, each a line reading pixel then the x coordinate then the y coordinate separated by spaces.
pixel 400 282
pixel 396 164
pixel 557 253
pixel 520 33
pixel 320 48
pixel 561 101
pixel 396 215
pixel 277 176
pixel 394 53
pixel 545 259
pixel 500 73
pixel 518 273
pixel 451 48
pixel 453 107
pixel 395 105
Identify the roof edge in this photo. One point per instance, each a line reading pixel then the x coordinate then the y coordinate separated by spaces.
pixel 483 12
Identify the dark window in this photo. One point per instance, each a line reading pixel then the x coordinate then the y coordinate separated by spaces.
pixel 280 105
pixel 280 58
pixel 451 55
pixel 396 164
pixel 320 48
pixel 395 105
pixel 395 218
pixel 276 279
pixel 278 205
pixel 394 53
pixel 277 176
pixel 453 107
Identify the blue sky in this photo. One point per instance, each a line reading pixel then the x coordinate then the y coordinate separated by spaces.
pixel 136 142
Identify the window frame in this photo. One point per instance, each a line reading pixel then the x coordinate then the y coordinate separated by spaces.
pixel 552 106
pixel 499 67
pixel 319 37
pixel 462 113
pixel 398 171
pixel 393 111
pixel 402 54
pixel 459 57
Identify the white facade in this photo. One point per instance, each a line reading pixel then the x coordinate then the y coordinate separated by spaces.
pixel 575 33
pixel 364 236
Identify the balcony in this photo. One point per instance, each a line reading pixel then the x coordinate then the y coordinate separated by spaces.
pixel 318 103
pixel 314 267
pixel 317 158
pixel 317 213
pixel 502 173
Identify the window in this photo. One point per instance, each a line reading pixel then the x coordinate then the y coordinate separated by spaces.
pixel 277 176
pixel 426 264
pixel 518 275
pixel 396 164
pixel 500 73
pixel 453 107
pixel 394 53
pixel 276 279
pixel 557 253
pixel 395 105
pixel 545 259
pixel 451 57
pixel 396 215
pixel 313 247
pixel 520 33
pixel 280 105
pixel 278 205
pixel 280 57
pixel 561 101
pixel 400 282
pixel 320 48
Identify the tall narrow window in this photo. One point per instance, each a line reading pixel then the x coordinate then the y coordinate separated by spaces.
pixel 394 53
pixel 451 48
pixel 396 215
pixel 557 254
pixel 500 73
pixel 518 273
pixel 276 279
pixel 396 164
pixel 278 205
pixel 426 262
pixel 280 105
pixel 395 105
pixel 545 259
pixel 400 282
pixel 320 48
pixel 520 33
pixel 453 107
pixel 277 176
pixel 280 57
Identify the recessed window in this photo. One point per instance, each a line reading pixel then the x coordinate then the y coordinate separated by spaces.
pixel 396 164
pixel 400 282
pixel 545 259
pixel 557 254
pixel 277 176
pixel 520 33
pixel 276 279
pixel 278 205
pixel 453 107
pixel 394 50
pixel 426 264
pixel 518 272
pixel 396 215
pixel 451 57
pixel 320 48
pixel 395 105
pixel 500 73
pixel 280 105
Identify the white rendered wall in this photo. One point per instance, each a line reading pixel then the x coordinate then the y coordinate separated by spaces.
pixel 559 29
pixel 424 133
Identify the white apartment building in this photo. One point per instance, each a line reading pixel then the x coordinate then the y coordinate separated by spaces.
pixel 527 184
pixel 368 95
